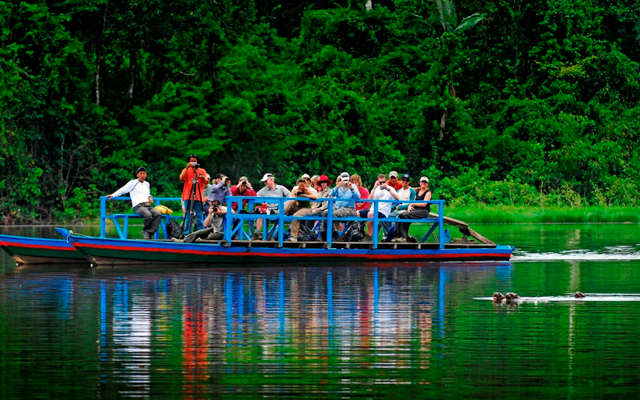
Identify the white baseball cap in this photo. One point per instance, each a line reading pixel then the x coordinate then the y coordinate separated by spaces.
pixel 424 178
pixel 393 174
pixel 344 177
pixel 266 176
pixel 305 176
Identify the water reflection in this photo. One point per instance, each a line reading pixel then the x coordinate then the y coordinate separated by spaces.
pixel 313 332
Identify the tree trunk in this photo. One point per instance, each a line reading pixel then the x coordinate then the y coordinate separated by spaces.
pixel 369 5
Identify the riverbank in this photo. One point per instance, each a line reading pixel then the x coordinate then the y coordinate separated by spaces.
pixel 520 214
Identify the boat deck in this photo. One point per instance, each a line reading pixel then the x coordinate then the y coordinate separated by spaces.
pixel 347 245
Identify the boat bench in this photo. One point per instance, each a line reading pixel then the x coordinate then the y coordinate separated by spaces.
pixel 124 229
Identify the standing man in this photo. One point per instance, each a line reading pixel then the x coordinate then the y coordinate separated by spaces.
pixel 140 192
pixel 195 180
pixel 219 189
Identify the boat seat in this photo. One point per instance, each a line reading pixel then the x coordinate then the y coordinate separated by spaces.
pixel 123 230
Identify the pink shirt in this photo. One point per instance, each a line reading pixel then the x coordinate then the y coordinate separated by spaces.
pixel 364 194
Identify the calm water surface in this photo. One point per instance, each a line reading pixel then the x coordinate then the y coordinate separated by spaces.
pixel 387 331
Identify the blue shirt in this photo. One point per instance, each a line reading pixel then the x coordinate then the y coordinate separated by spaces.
pixel 339 193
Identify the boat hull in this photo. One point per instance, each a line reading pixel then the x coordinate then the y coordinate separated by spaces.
pixel 107 251
pixel 29 250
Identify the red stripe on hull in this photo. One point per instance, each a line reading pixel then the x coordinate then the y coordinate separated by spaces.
pixel 38 246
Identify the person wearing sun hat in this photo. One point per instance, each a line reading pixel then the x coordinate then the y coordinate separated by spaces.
pixel 140 192
pixel 414 211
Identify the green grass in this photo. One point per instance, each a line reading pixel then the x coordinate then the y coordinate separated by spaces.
pixel 521 214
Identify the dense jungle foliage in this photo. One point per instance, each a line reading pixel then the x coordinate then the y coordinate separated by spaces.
pixel 507 102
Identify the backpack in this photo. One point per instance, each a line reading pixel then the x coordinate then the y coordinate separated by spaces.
pixel 174 230
pixel 355 232
pixel 391 233
pixel 306 234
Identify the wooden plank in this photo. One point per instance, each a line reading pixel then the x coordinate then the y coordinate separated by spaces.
pixel 451 221
pixel 480 237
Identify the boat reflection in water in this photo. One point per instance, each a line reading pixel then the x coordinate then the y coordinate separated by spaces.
pixel 192 332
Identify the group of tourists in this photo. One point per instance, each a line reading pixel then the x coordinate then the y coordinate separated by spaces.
pixel 204 201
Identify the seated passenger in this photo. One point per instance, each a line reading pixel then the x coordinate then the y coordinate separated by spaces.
pixel 314 182
pixel 393 181
pixel 324 193
pixel 406 193
pixel 344 190
pixel 415 211
pixel 381 191
pixel 270 190
pixel 364 193
pixel 140 192
pixel 214 225
pixel 243 188
pixel 299 207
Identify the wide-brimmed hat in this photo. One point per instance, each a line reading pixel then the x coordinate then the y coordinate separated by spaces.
pixel 267 176
pixel 324 178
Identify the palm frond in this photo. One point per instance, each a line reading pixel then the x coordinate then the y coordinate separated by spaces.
pixel 470 22
pixel 448 17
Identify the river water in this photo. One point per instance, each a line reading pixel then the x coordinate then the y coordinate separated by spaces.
pixel 387 331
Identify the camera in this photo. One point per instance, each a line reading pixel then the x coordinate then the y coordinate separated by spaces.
pixel 244 183
pixel 195 165
pixel 215 208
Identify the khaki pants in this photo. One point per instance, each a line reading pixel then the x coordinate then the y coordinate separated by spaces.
pixel 295 224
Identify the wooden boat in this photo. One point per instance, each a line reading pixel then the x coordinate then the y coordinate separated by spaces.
pixel 29 250
pixel 122 251
pixel 111 251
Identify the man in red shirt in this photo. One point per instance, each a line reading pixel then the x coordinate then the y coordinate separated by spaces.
pixel 243 188
pixel 393 181
pixel 195 180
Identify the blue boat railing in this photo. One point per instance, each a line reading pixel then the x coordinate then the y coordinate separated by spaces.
pixel 124 229
pixel 280 218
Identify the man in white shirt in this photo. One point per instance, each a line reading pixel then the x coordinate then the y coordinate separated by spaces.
pixel 140 192
pixel 381 191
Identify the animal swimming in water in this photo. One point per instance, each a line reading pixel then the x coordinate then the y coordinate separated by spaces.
pixel 511 296
pixel 579 295
pixel 498 297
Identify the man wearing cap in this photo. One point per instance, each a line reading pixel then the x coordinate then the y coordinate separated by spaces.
pixel 140 192
pixel 405 193
pixel 344 190
pixel 393 181
pixel 270 190
pixel 415 211
pixel 243 188
pixel 219 189
pixel 192 175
